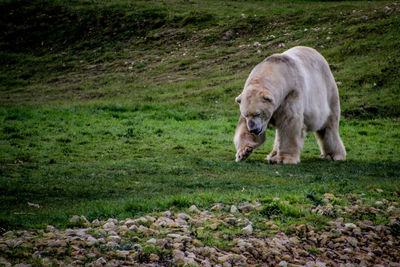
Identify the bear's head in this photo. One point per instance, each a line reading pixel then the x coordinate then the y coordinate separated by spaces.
pixel 257 107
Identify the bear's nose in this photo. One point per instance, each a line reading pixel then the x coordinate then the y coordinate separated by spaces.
pixel 256 130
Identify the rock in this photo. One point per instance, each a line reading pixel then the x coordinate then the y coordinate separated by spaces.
pixel 141 220
pixel 283 264
pixel 13 243
pixel 177 255
pixel 349 226
pixel 230 220
pixel 4 262
pixel 8 234
pixel 197 243
pixel 154 257
pixel 150 218
pixel 205 263
pixel 228 35
pixel 207 251
pixel 114 238
pixel 110 226
pixel 152 241
pixel 129 222
pixel 174 236
pixel 194 209
pixel 123 229
pixel 133 228
pixel 213 226
pixel 352 241
pixel 122 253
pixel 391 209
pixel 248 230
pixel 165 222
pixel 180 222
pixel 190 262
pixel 256 44
pixel 112 244
pixel 100 261
pixel 182 216
pixel 91 241
pixel 96 222
pixel 166 213
pixel 79 220
pixel 348 250
pixel 216 207
pixel 246 208
pixel 233 209
pixel 45 261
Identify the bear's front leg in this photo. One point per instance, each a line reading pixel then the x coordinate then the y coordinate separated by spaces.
pixel 246 142
pixel 290 139
pixel 271 157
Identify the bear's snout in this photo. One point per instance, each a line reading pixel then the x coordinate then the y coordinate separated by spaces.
pixel 256 131
pixel 253 127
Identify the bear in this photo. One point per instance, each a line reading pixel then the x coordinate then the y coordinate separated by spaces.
pixel 295 93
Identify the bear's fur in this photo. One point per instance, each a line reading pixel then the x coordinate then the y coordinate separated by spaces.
pixel 295 92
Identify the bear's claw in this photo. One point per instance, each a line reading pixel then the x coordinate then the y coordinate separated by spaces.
pixel 244 153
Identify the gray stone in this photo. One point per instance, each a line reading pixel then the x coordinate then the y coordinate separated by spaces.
pixel 248 230
pixel 350 226
pixel 110 226
pixel 194 209
pixel 91 241
pixel 114 238
pixel 233 209
pixel 152 241
pixel 166 213
pixel 100 261
pixel 154 257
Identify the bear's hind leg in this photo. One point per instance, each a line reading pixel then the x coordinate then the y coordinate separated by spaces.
pixel 330 144
pixel 246 142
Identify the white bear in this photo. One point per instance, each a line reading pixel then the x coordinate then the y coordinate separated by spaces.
pixel 295 92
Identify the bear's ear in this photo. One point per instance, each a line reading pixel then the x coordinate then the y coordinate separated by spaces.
pixel 238 99
pixel 268 98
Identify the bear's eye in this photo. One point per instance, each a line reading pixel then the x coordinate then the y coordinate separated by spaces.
pixel 257 114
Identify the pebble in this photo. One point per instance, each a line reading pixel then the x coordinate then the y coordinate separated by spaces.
pixel 166 214
pixel 233 209
pixel 350 226
pixel 194 209
pixel 154 257
pixel 151 241
pixel 122 242
pixel 114 238
pixel 101 261
pixel 91 241
pixel 246 208
pixel 110 226
pixel 248 230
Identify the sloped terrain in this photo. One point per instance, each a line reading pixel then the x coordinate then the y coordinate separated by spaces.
pixel 125 109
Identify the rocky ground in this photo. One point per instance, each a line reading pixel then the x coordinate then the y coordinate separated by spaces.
pixel 220 236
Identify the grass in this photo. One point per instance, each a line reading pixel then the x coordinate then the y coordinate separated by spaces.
pixel 132 111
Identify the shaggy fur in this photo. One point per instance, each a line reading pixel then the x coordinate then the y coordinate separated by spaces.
pixel 295 92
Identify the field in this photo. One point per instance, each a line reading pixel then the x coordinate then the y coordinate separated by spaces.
pixel 118 109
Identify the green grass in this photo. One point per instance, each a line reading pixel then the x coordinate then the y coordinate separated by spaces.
pixel 131 109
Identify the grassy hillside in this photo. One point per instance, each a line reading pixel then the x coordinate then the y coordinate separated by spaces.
pixel 119 108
